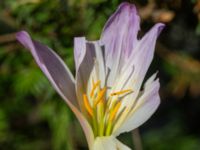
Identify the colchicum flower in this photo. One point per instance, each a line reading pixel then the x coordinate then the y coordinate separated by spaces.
pixel 106 94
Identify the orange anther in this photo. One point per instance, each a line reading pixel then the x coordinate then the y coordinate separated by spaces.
pixel 87 105
pixel 121 92
pixel 95 85
pixel 100 96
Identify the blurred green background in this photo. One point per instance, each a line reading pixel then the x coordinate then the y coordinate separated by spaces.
pixel 33 116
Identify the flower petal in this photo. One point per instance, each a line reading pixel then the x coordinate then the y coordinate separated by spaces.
pixel 145 106
pixel 144 50
pixel 79 50
pixel 108 143
pixel 83 71
pixel 52 66
pixel 99 64
pixel 120 37
pixel 140 60
pixel 124 22
pixel 59 76
pixel 92 58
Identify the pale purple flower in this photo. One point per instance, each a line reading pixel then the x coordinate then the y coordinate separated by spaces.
pixel 106 94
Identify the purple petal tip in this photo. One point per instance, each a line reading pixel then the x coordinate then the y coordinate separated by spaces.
pixel 24 38
pixel 128 6
pixel 160 28
pixel 22 34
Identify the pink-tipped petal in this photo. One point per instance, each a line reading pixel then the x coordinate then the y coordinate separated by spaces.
pixel 120 37
pixel 124 23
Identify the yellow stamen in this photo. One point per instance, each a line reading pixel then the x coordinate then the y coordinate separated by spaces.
pixel 121 92
pixel 100 96
pixel 95 85
pixel 114 112
pixel 87 105
pixel 103 111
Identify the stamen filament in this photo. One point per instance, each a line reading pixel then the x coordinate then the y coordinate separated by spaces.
pixel 109 128
pixel 101 116
pixel 121 119
pixel 94 121
pixel 114 112
pixel 111 118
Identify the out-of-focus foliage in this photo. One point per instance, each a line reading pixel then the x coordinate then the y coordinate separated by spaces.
pixel 33 116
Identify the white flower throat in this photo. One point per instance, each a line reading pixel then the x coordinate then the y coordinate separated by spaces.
pixel 103 111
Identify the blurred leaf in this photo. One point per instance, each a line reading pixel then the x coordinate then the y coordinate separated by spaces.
pixel 31 81
pixel 3 126
pixel 171 137
pixel 198 29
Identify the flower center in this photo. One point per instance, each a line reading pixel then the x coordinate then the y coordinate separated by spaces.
pixel 103 111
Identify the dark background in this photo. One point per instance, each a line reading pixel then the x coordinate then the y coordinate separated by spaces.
pixel 33 116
